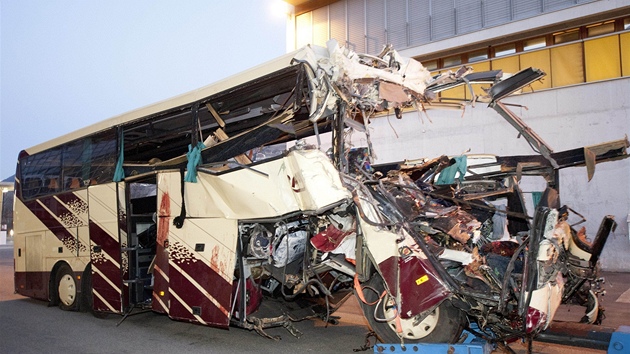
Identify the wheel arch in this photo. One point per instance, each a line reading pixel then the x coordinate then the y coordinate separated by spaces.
pixel 53 295
pixel 448 325
pixel 85 304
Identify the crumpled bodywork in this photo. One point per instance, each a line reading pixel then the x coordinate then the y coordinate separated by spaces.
pixel 426 252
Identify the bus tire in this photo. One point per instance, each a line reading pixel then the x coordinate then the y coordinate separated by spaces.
pixel 66 288
pixel 444 325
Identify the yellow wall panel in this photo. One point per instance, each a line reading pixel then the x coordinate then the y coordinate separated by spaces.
pixel 478 67
pixel 566 63
pixel 601 58
pixel 509 65
pixel 540 59
pixel 624 39
pixel 458 93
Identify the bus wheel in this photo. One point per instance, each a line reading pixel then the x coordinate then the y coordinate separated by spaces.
pixel 443 325
pixel 66 288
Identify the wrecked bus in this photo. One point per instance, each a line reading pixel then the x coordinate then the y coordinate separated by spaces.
pixel 212 208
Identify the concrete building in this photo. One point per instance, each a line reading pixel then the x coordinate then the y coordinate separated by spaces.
pixel 583 46
pixel 6 210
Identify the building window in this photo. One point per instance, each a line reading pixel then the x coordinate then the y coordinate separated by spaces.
pixel 452 61
pixel 477 55
pixel 304 30
pixel 600 28
pixel 566 36
pixel 505 49
pixel 534 43
pixel 430 64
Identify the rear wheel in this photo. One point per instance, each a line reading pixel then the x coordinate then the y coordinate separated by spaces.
pixel 443 325
pixel 66 288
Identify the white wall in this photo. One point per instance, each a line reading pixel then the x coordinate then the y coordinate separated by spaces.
pixel 565 118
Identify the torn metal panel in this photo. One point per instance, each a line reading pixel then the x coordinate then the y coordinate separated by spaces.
pixel 514 83
pixel 532 138
pixel 392 92
pixel 452 80
pixel 594 154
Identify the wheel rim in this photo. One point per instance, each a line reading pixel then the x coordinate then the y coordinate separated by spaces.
pixel 67 289
pixel 409 331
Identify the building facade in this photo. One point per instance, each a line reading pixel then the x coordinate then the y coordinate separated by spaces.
pixel 6 211
pixel 583 46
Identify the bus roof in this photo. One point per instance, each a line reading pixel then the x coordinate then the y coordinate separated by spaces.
pixel 183 99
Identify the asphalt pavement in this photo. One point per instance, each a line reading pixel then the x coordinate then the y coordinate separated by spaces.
pixel 30 326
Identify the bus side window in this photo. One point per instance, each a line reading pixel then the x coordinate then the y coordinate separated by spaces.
pixel 32 186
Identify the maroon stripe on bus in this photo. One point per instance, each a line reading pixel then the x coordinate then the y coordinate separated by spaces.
pixel 194 298
pixel 107 269
pixel 99 305
pixel 160 281
pixel 106 291
pixel 58 214
pixel 108 243
pixel 206 276
pixel 110 246
pixel 57 209
pixel 70 198
pixel 178 311
pixel 106 247
pixel 32 284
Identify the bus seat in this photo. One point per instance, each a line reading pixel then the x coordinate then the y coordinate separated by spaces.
pixel 53 185
pixel 75 183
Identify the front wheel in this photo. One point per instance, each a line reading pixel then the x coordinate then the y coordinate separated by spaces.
pixel 443 325
pixel 66 288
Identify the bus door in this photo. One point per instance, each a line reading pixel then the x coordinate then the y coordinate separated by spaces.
pixel 194 263
pixel 141 242
pixel 108 226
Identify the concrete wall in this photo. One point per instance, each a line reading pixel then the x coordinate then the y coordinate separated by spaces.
pixel 565 118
